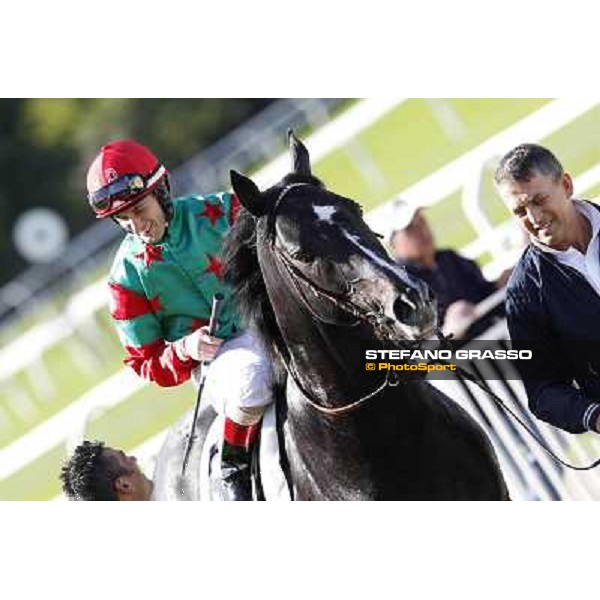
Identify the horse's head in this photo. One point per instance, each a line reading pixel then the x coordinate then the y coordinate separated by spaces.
pixel 319 242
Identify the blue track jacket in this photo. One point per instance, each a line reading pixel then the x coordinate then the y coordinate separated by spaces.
pixel 554 311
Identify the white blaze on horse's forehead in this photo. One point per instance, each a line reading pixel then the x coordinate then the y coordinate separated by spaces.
pixel 324 213
pixel 378 260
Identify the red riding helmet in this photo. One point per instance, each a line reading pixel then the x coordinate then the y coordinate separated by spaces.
pixel 123 173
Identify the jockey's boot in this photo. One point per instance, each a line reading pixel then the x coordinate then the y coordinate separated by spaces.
pixel 236 457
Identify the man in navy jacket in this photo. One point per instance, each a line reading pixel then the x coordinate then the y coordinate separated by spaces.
pixel 553 295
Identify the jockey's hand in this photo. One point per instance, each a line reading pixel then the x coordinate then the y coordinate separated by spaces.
pixel 198 345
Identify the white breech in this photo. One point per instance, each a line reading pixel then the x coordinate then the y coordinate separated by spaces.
pixel 238 381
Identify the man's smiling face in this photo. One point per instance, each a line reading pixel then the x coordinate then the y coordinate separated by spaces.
pixel 145 219
pixel 543 207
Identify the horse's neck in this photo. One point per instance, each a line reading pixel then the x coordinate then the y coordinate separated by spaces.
pixel 328 361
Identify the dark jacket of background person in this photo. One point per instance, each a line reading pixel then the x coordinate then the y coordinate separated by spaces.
pixel 553 310
pixel 453 278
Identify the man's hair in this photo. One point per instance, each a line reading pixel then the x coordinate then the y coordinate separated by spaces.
pixel 525 161
pixel 163 194
pixel 89 474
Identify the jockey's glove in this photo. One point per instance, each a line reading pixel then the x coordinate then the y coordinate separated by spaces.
pixel 198 346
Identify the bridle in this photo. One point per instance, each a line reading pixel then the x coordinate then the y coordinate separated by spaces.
pixel 375 321
pixel 361 316
pixel 369 317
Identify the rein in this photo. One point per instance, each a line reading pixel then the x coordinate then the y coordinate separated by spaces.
pixel 499 402
pixel 347 408
pixel 391 379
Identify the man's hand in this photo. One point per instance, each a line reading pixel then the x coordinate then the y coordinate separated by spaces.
pixel 198 345
pixel 459 316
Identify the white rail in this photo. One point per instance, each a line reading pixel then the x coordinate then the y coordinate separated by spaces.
pixel 55 430
pixel 530 471
pixel 456 174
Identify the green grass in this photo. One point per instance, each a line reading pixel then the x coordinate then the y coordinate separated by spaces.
pixel 406 145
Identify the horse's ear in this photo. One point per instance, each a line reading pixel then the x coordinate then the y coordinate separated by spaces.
pixel 248 194
pixel 300 156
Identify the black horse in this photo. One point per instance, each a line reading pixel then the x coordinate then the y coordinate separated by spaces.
pixel 317 285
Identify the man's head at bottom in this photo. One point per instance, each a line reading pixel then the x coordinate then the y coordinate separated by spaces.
pixel 97 472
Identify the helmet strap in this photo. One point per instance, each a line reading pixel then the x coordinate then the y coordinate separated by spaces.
pixel 120 225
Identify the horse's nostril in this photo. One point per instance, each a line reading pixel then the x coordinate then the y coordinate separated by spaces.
pixel 413 305
pixel 406 308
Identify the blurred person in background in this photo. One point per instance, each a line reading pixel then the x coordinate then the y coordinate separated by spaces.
pixel 553 296
pixel 457 282
pixel 162 282
pixel 97 472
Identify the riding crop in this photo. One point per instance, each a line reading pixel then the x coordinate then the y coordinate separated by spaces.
pixel 212 327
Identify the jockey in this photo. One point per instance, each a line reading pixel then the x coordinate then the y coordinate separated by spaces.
pixel 162 282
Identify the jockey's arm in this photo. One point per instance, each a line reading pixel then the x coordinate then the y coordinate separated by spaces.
pixel 148 353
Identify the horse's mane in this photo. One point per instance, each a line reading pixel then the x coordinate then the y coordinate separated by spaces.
pixel 242 272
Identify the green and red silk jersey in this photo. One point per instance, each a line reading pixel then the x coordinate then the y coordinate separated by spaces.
pixel 163 292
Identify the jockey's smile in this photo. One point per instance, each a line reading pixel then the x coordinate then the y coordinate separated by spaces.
pixel 146 220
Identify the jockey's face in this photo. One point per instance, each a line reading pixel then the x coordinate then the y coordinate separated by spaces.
pixel 543 207
pixel 133 484
pixel 146 220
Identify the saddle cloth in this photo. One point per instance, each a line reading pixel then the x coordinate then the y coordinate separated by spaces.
pixel 168 484
pixel 272 478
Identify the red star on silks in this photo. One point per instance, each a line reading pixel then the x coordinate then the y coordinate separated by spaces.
pixel 150 254
pixel 215 266
pixel 126 304
pixel 155 304
pixel 212 212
